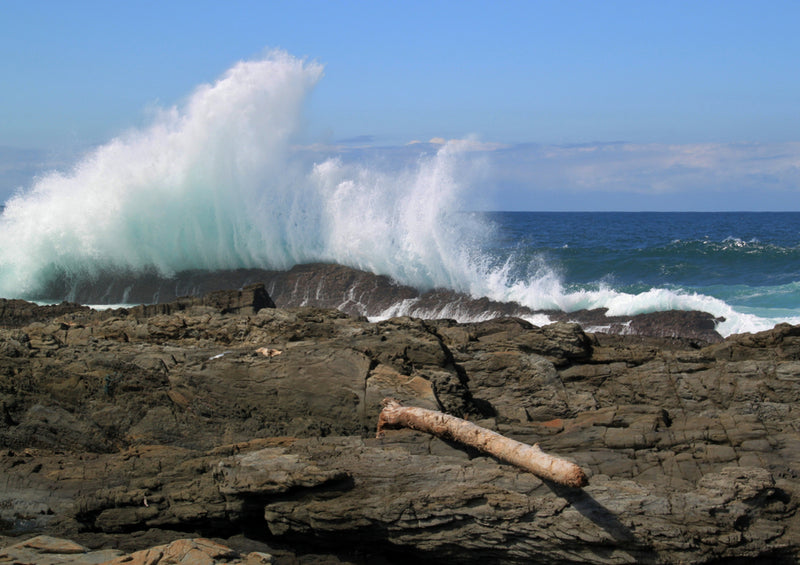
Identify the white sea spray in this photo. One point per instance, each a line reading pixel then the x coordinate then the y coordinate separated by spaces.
pixel 219 183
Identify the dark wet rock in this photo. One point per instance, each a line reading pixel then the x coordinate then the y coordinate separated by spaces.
pixel 132 428
pixel 249 300
pixel 696 328
pixel 335 286
pixel 355 292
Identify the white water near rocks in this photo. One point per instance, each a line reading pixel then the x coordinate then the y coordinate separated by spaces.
pixel 219 183
pixel 215 184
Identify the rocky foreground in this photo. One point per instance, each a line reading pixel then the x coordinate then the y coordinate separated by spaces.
pixel 247 432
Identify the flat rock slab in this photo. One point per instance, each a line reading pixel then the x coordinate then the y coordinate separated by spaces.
pixel 47 550
pixel 120 428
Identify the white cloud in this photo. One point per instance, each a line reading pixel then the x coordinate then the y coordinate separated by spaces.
pixel 653 168
pixel 474 145
pixel 533 176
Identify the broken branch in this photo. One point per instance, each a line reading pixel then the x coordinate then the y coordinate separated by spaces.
pixel 528 457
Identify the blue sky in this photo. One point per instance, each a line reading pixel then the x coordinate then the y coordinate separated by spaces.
pixel 585 105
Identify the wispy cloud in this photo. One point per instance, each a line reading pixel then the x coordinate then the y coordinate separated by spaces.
pixel 535 176
pixel 652 168
pixel 612 175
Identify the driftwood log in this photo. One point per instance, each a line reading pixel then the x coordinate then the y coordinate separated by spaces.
pixel 528 457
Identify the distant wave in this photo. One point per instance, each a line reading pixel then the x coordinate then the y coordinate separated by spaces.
pixel 734 247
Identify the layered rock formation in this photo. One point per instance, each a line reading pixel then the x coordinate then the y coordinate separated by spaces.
pixel 360 293
pixel 132 428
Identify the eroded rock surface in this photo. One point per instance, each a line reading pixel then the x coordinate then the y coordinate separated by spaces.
pixel 47 550
pixel 355 292
pixel 131 428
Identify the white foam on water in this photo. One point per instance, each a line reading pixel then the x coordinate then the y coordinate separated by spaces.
pixel 215 184
pixel 547 292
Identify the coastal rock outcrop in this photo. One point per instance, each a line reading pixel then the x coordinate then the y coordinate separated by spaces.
pixel 133 428
pixel 361 293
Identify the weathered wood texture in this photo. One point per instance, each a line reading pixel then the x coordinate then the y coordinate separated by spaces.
pixel 528 457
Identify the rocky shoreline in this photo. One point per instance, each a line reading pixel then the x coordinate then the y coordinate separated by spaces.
pixel 361 293
pixel 127 429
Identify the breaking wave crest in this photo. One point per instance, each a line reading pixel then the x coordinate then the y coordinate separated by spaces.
pixel 219 183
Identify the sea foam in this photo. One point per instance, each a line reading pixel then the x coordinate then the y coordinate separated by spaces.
pixel 219 182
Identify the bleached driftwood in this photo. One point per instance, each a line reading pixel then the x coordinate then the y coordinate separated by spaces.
pixel 528 457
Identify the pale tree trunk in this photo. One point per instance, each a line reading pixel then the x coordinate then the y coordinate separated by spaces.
pixel 528 457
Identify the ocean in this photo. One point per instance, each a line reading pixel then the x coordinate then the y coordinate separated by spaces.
pixel 222 182
pixel 743 266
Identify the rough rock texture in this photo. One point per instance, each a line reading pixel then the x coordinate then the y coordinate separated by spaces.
pixel 17 312
pixel 192 552
pixel 361 293
pixel 47 550
pixel 132 428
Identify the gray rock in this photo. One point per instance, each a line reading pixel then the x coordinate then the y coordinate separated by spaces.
pixel 126 427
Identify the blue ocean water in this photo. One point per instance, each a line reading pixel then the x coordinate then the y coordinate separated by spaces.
pixel 220 183
pixel 742 265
